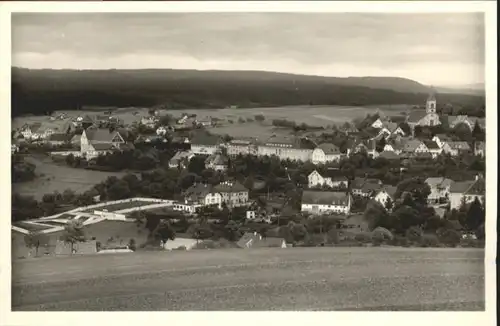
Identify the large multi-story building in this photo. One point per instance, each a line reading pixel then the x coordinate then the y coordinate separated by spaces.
pixel 291 148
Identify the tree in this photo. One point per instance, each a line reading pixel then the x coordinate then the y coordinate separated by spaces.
pixel 118 190
pixel 70 160
pixel 68 196
pixel 388 204
pixel 164 232
pixel 475 215
pixel 376 215
pixel 297 231
pixel 200 231
pixel 414 233
pixel 380 145
pixel 416 187
pixel 259 117
pixel 73 232
pixel 34 239
pixel 232 231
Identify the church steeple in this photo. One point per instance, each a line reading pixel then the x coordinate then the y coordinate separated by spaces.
pixel 430 106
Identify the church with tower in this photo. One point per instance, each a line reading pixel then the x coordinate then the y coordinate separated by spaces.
pixel 427 117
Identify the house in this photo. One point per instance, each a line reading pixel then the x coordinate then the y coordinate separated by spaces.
pixel 58 139
pixel 94 142
pixel 161 131
pixel 440 139
pixel 149 121
pixel 470 122
pixel 180 159
pixel 84 121
pixel 389 129
pixel 287 148
pixel 377 124
pixel 479 148
pixel 37 131
pixel 217 162
pixel 204 123
pixel 368 146
pixel 348 129
pixel 150 137
pixel 324 153
pixel 75 140
pixel 429 117
pixel 243 146
pixel 329 179
pixel 199 195
pixel 455 148
pixel 385 195
pixel 395 147
pixel 365 187
pixel 414 146
pixel 467 191
pixel 319 202
pixel 254 240
pixel 440 190
pixel 433 148
pixel 233 193
pixel 204 144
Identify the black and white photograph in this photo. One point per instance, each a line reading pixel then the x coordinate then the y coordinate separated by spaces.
pixel 250 160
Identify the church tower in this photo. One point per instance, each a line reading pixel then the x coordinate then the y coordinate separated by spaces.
pixel 430 106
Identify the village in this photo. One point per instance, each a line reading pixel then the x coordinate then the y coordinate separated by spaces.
pixel 358 204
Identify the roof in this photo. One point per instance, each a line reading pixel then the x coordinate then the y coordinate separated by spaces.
pixel 439 182
pixel 442 137
pixel 268 242
pixel 389 155
pixel 290 142
pixel 247 238
pixel 101 135
pixel 34 126
pixel 471 186
pixel 391 126
pixel 206 140
pixel 432 96
pixel 329 149
pixel 230 186
pixel 390 190
pixel 480 145
pixel 59 137
pixel 412 145
pixel 103 146
pixel 370 187
pixel 243 141
pixel 459 145
pixel 197 191
pixel 180 155
pixel 431 144
pixel 478 188
pixel 325 197
pixel 416 115
pixel 217 159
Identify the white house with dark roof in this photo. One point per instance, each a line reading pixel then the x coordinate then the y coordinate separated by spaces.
pixel 427 117
pixel 94 142
pixel 369 146
pixel 329 179
pixel 324 153
pixel 198 195
pixel 433 148
pixel 440 139
pixel 180 159
pixel 233 193
pixel 385 194
pixel 322 202
pixel 365 187
pixel 467 191
pixel 291 148
pixel 37 131
pixel 414 146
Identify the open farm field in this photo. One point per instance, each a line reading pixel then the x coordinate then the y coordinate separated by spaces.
pixel 256 279
pixel 52 177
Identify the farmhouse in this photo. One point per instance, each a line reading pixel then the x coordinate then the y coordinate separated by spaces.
pixel 319 202
pixel 466 191
pixel 233 194
pixel 329 179
pixel 429 117
pixel 433 148
pixel 414 146
pixel 385 195
pixel 365 187
pixel 440 190
pixel 243 146
pixel 368 146
pixel 290 148
pixel 440 139
pixel 36 131
pixel 217 162
pixel 99 141
pixel 326 153
pixel 199 195
pixel 149 121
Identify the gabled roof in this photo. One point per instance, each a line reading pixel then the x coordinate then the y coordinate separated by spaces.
pixel 325 198
pixel 206 140
pixel 472 187
pixel 439 182
pixel 230 186
pixel 416 115
pixel 33 127
pixel 247 238
pixel 217 159
pixel 391 126
pixel 289 142
pixel 103 146
pixel 390 190
pixel 412 145
pixel 370 187
pixel 243 141
pixel 101 135
pixel 431 144
pixel 59 137
pixel 198 191
pixel 432 96
pixel 180 155
pixel 329 149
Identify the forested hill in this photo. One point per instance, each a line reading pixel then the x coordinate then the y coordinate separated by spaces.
pixel 39 91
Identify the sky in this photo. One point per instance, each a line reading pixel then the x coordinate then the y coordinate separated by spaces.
pixel 434 49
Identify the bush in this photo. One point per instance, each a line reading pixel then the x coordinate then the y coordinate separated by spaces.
pixel 399 241
pixel 180 248
pixel 414 234
pixel 449 237
pixel 429 240
pixel 363 237
pixel 259 117
pixel 132 245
